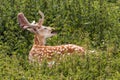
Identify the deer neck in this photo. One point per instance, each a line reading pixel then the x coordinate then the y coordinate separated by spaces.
pixel 39 40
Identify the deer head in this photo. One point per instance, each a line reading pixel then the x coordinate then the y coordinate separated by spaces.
pixel 36 28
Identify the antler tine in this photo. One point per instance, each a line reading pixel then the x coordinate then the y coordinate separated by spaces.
pixel 24 23
pixel 41 20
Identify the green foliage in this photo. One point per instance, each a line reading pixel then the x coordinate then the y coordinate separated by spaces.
pixel 93 24
pixel 91 67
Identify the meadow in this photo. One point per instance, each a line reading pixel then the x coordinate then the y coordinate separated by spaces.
pixel 92 24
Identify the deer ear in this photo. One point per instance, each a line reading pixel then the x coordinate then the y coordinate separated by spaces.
pixel 22 20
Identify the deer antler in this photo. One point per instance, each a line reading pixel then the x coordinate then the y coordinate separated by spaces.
pixel 41 20
pixel 24 23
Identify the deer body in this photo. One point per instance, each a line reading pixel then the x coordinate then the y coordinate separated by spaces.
pixel 39 50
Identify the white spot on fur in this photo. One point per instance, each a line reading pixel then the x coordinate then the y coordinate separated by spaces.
pixel 68 53
pixel 51 62
pixel 58 52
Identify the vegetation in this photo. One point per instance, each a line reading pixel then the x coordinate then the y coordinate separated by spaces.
pixel 93 24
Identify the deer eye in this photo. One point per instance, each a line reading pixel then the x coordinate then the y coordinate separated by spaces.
pixel 38 27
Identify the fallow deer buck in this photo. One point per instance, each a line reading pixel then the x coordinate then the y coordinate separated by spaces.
pixel 39 50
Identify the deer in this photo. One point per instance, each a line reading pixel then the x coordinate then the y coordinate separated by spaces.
pixel 40 50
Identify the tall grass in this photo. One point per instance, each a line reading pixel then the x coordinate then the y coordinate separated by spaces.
pixel 94 66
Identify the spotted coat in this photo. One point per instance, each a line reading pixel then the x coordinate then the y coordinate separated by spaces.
pixel 39 51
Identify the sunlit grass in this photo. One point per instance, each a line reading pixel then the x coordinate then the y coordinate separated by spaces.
pixel 91 66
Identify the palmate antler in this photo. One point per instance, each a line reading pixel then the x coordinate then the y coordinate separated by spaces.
pixel 23 20
pixel 24 23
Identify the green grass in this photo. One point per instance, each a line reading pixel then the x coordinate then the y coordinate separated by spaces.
pixel 97 66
